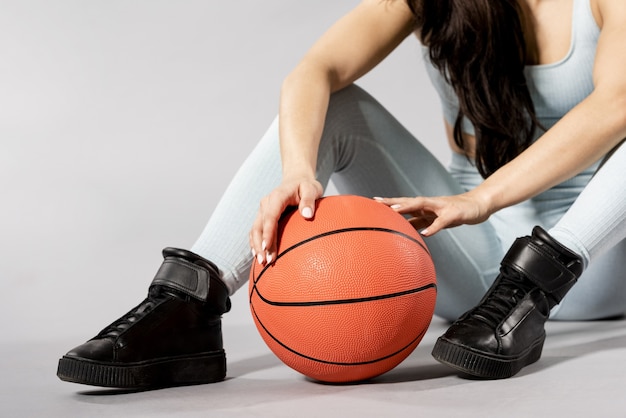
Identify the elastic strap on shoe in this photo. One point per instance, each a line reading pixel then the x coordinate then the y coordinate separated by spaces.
pixel 540 267
pixel 186 277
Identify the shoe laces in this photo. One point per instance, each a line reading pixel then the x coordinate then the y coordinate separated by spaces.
pixel 512 288
pixel 122 324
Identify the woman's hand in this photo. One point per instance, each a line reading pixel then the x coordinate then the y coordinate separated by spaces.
pixel 291 192
pixel 432 214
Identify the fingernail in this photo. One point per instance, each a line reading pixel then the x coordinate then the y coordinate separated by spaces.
pixel 424 232
pixel 259 258
pixel 395 206
pixel 307 212
pixel 380 199
pixel 263 245
pixel 253 252
pixel 269 258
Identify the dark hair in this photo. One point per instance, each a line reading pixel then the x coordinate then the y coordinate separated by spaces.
pixel 478 45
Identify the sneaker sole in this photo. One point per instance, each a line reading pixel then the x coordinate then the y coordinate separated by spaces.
pixel 166 372
pixel 484 365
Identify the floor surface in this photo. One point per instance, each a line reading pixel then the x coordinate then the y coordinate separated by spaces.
pixel 581 374
pixel 121 123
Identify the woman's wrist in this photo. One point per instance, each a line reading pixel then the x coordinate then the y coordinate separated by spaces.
pixel 298 173
pixel 487 198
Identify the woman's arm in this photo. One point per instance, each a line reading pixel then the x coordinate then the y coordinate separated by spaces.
pixel 585 134
pixel 349 49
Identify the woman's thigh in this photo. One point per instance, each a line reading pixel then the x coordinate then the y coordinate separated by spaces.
pixel 369 153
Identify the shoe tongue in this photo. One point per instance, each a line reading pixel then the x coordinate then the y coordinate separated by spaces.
pixel 511 288
pixel 122 324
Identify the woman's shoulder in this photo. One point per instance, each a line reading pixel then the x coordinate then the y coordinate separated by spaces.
pixel 605 9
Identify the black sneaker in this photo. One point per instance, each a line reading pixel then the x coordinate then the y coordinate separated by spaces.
pixel 505 332
pixel 172 338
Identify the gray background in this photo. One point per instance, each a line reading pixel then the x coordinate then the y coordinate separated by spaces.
pixel 121 123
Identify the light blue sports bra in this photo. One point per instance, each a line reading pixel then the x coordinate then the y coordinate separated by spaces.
pixel 555 88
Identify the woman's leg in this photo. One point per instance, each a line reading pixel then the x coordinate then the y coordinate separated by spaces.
pixel 595 227
pixel 367 152
pixel 224 239
pixel 174 336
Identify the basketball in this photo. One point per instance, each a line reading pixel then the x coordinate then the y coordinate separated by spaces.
pixel 351 292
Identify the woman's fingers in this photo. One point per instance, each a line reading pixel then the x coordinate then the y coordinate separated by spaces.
pixel 256 238
pixel 271 208
pixel 435 226
pixel 432 214
pixel 407 205
pixel 263 232
pixel 308 194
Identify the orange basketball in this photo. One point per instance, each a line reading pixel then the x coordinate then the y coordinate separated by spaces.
pixel 351 293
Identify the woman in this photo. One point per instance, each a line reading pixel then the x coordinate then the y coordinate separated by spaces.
pixel 533 105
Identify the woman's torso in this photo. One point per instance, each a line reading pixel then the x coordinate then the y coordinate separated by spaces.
pixel 561 38
pixel 559 77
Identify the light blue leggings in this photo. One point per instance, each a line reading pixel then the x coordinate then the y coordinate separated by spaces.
pixel 367 152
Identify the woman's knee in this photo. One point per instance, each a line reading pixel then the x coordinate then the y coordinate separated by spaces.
pixel 352 105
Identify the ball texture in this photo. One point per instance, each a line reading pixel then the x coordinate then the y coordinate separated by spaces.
pixel 350 294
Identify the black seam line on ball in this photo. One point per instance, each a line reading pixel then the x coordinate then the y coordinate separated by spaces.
pixel 338 363
pixel 325 234
pixel 348 301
